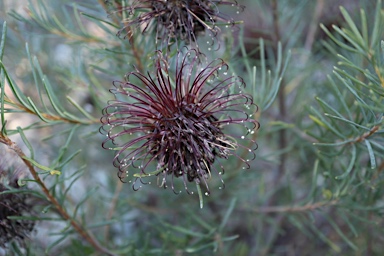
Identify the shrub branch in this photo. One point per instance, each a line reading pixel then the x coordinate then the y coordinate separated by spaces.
pixel 63 213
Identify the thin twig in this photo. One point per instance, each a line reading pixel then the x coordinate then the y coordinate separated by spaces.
pixel 376 174
pixel 358 139
pixel 272 236
pixel 310 38
pixel 367 134
pixel 281 94
pixel 280 211
pixel 65 34
pixel 63 213
pixel 136 52
pixel 45 115
pixel 112 208
pixel 285 209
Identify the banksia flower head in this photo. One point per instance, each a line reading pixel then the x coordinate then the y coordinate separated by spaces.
pixel 177 126
pixel 12 204
pixel 176 20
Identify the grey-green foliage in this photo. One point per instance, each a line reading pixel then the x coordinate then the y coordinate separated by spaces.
pixel 319 191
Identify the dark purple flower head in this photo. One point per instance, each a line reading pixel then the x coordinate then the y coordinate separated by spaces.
pixel 174 20
pixel 13 204
pixel 179 125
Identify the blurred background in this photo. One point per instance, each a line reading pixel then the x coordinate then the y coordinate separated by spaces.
pixel 315 187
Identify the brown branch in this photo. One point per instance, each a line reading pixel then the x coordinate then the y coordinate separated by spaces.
pixel 66 34
pixel 63 213
pixel 359 138
pixel 45 115
pixel 310 38
pixel 375 176
pixel 367 134
pixel 381 167
pixel 113 205
pixel 285 209
pixel 378 72
pixel 136 52
pixel 281 93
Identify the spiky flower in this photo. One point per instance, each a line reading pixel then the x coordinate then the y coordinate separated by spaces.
pixel 174 20
pixel 12 203
pixel 179 124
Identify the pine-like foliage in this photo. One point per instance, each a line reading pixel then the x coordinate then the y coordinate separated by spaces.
pixel 178 101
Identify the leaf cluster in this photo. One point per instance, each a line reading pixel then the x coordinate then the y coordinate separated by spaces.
pixel 315 188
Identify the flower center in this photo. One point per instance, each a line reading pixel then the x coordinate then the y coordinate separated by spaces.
pixel 188 143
